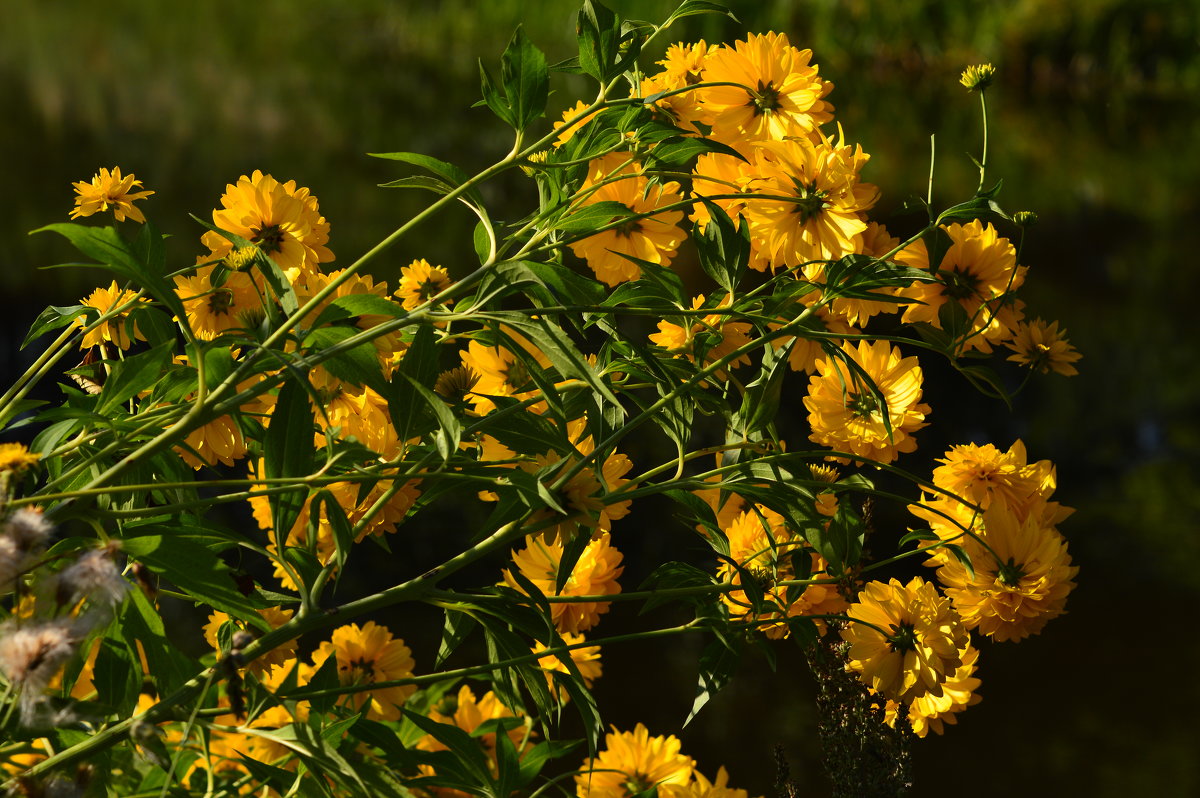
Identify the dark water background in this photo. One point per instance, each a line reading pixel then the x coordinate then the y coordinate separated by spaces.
pixel 1095 125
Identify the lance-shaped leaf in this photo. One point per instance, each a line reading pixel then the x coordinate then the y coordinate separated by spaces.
pixel 288 453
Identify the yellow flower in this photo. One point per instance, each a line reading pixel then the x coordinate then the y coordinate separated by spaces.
pixel 595 574
pixel 367 655
pixel 420 282
pixel 779 93
pixel 805 349
pixel 820 215
pixel 876 242
pixel 1021 578
pixel 109 190
pixel 701 787
pixel 218 441
pixel 212 310
pixel 1044 348
pixel 654 238
pixel 569 114
pixel 631 763
pixel 468 713
pixel 979 271
pixel 712 334
pixel 276 617
pixel 844 413
pixel 500 372
pixel 284 221
pixel 586 493
pixel 978 77
pixel 717 174
pixel 958 693
pixel 681 69
pixel 909 642
pixel 16 457
pixel 983 474
pixel 116 329
pixel 761 543
pixel 586 659
pixel 947 518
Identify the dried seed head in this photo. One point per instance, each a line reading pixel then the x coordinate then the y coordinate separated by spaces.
pixel 93 576
pixel 28 528
pixel 31 655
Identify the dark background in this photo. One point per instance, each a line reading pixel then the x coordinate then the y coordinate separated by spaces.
pixel 1094 125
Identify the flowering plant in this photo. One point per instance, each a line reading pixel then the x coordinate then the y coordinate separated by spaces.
pixel 348 416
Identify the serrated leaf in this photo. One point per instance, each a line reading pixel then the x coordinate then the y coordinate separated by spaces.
pixel 718 662
pixel 448 171
pixel 591 217
pixel 724 248
pixel 526 79
pixel 356 305
pixel 457 628
pixel 52 318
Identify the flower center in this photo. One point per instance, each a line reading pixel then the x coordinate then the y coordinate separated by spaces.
pixel 765 99
pixel 1009 574
pixel 428 288
pixel 960 285
pixel 863 405
pixel 220 301
pixel 903 638
pixel 269 238
pixel 810 200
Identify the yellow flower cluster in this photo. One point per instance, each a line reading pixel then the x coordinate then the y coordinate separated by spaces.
pixel 633 763
pixel 764 549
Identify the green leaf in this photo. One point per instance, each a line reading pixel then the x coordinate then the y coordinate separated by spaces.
pixel 675 575
pixel 52 318
pixel 526 80
pixel 448 171
pixel 599 35
pixel 841 542
pixel 218 364
pixel 195 570
pixel 718 662
pixel 523 432
pixel 972 209
pixel 690 8
pixel 343 533
pixel 700 512
pixel 355 305
pixel 493 98
pixel 562 352
pixel 103 244
pixel 457 628
pixel 449 427
pixel 141 622
pixel 760 403
pixel 591 217
pixel 677 152
pixel 410 414
pixel 420 181
pixel 132 376
pixel 723 248
pixel 288 453
pixel 117 676
pixel 358 365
